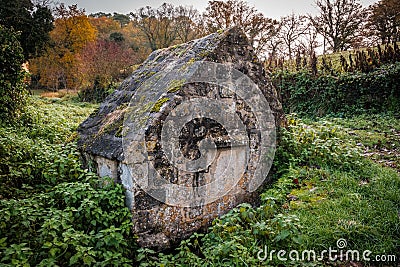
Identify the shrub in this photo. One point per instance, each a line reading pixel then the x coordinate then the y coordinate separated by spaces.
pixel 97 93
pixel 320 145
pixel 37 153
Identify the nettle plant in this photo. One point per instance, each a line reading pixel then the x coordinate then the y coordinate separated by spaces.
pixel 316 145
pixel 52 211
pixel 74 224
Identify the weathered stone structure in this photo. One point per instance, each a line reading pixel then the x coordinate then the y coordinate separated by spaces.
pixel 106 138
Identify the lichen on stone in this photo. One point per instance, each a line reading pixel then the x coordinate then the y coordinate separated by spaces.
pixel 143 103
pixel 175 86
pixel 157 106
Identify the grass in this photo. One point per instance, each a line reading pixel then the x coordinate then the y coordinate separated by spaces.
pixel 379 137
pixel 32 149
pixel 334 178
pixel 360 204
pixel 360 207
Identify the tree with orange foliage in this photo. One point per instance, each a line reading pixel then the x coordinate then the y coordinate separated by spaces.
pixel 104 26
pixel 72 28
pixel 135 39
pixel 72 32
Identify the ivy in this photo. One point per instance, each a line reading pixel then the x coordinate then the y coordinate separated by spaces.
pixel 346 93
pixel 12 89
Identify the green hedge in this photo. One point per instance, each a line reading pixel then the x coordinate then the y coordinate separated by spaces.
pixel 306 94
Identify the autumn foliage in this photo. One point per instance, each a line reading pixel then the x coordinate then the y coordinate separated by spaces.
pixel 104 61
pixel 72 32
pixel 100 49
pixel 83 49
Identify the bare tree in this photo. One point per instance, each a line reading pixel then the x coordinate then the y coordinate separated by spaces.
pixel 384 21
pixel 166 25
pixel 225 14
pixel 157 25
pixel 274 45
pixel 187 23
pixel 339 22
pixel 309 41
pixel 42 2
pixel 293 28
pixel 146 20
pixel 167 30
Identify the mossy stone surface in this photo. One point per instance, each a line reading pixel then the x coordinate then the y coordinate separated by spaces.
pixel 157 224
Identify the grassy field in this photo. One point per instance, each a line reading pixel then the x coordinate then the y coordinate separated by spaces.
pixel 334 179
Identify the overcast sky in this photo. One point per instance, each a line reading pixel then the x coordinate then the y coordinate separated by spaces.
pixel 270 8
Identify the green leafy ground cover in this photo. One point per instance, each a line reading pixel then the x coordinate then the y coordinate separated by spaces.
pixel 52 212
pixel 333 178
